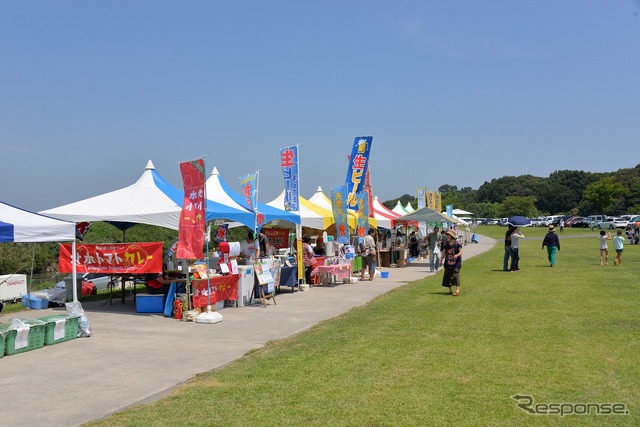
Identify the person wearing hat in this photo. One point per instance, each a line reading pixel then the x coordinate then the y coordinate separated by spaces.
pixel 451 259
pixel 552 242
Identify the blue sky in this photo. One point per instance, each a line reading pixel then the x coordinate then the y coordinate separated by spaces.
pixel 454 93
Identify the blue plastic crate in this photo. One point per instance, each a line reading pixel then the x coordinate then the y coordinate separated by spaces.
pixel 146 303
pixel 38 303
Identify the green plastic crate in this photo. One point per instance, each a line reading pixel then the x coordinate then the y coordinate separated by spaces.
pixel 70 328
pixel 35 340
pixel 2 334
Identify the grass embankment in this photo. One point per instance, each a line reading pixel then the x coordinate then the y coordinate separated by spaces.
pixel 417 356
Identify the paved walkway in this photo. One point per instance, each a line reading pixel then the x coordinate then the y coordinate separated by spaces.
pixel 133 358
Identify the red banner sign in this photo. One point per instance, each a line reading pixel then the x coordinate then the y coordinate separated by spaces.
pixel 223 288
pixel 278 237
pixel 113 258
pixel 192 218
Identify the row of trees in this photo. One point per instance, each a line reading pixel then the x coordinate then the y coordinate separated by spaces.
pixel 562 192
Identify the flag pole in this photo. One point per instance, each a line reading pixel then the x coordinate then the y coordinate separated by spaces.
pixel 209 316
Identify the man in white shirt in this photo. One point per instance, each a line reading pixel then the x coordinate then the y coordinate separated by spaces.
pixel 250 249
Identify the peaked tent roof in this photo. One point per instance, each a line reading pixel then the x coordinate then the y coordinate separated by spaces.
pixel 220 192
pixel 385 216
pixel 19 225
pixel 320 199
pixel 311 215
pixel 409 208
pixel 150 200
pixel 399 209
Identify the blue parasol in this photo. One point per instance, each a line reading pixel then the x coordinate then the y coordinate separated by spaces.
pixel 519 221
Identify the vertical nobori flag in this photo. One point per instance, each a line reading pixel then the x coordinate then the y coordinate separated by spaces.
pixel 192 218
pixel 340 216
pixel 363 213
pixel 422 197
pixel 289 163
pixel 248 185
pixel 438 206
pixel 358 163
pixel 449 211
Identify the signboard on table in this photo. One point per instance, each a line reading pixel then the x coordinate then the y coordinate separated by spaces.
pixel 278 237
pixel 112 258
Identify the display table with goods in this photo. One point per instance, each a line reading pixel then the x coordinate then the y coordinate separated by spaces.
pixel 334 269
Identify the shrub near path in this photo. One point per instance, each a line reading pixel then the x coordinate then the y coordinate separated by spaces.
pixel 416 356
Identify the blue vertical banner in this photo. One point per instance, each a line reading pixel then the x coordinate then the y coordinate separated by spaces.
pixel 249 187
pixel 422 197
pixel 340 216
pixel 358 164
pixel 289 163
pixel 449 211
pixel 363 213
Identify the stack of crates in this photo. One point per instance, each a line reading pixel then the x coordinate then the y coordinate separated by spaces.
pixel 35 338
pixel 59 328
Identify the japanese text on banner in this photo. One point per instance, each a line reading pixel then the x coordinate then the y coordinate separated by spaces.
pixel 358 163
pixel 289 163
pixel 192 217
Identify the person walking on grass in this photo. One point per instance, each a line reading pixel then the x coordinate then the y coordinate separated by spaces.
pixel 507 248
pixel 451 258
pixel 604 248
pixel 515 254
pixel 618 245
pixel 552 242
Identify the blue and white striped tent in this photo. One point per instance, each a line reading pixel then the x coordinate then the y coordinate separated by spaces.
pixel 19 225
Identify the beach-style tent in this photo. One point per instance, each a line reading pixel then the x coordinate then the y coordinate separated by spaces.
pixel 218 191
pixel 22 226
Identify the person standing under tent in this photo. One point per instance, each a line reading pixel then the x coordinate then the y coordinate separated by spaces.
pixel 507 248
pixel 434 239
pixel 369 258
pixel 451 258
pixel 263 242
pixel 413 245
pixel 604 248
pixel 249 249
pixel 516 235
pixel 618 245
pixel 307 258
pixel 552 242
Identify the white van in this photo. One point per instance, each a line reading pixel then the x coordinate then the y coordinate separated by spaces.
pixel 594 220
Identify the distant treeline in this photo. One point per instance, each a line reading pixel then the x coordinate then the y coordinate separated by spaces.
pixel 563 192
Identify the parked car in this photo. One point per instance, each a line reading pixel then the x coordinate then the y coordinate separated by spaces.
pixel 100 280
pixel 573 220
pixel 611 223
pixel 634 221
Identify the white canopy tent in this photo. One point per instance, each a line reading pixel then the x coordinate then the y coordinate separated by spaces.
pixel 19 225
pixel 150 200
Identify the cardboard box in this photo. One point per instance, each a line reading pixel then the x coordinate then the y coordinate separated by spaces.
pixel 146 303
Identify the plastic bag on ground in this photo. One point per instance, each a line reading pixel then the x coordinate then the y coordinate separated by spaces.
pixel 74 308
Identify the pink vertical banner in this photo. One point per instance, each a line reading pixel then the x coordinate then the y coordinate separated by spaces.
pixel 191 231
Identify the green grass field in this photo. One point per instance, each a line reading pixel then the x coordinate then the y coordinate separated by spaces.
pixel 418 357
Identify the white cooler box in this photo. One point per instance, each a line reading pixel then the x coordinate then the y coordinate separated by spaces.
pixel 245 284
pixel 12 287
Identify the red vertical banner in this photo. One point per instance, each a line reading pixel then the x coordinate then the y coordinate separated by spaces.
pixel 192 226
